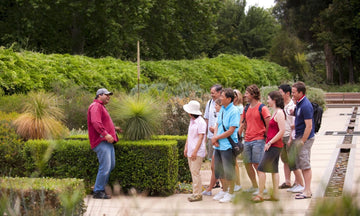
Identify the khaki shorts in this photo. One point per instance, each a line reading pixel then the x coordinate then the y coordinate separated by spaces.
pixel 301 154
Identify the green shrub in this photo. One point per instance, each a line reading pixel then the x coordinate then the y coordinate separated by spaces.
pixel 184 174
pixel 11 160
pixel 42 196
pixel 26 71
pixel 139 118
pixel 332 206
pixel 150 166
pixel 13 103
pixel 61 159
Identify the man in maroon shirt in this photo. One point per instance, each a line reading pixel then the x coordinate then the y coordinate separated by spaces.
pixel 102 136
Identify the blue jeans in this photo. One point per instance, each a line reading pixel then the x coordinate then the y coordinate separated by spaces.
pixel 106 155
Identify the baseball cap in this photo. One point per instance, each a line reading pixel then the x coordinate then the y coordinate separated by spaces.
pixel 103 91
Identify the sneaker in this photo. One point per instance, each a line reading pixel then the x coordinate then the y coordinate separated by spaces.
pixel 195 198
pixel 206 193
pixel 298 189
pixel 227 198
pixel 292 188
pixel 237 188
pixel 101 195
pixel 220 195
pixel 257 192
pixel 251 190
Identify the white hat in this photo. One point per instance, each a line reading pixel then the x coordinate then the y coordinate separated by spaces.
pixel 193 107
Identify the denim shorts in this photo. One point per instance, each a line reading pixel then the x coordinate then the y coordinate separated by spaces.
pixel 224 164
pixel 253 151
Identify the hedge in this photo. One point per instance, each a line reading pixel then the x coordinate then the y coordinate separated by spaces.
pixel 184 174
pixel 148 166
pixel 42 196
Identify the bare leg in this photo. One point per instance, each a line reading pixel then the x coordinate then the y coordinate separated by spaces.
pixel 262 180
pixel 213 179
pixel 275 180
pixel 251 173
pixel 307 177
pixel 287 174
pixel 237 172
pixel 298 177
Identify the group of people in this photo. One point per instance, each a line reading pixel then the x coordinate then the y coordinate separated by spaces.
pixel 287 131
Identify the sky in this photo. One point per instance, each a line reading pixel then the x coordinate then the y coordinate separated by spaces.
pixel 260 3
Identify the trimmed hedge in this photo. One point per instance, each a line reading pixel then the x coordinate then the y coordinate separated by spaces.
pixel 150 166
pixel 184 174
pixel 42 196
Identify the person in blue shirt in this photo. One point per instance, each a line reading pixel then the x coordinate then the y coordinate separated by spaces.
pixel 304 135
pixel 228 119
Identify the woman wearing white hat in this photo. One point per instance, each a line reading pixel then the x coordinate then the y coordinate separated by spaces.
pixel 195 146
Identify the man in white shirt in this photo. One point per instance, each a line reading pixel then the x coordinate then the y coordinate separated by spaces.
pixel 298 186
pixel 210 117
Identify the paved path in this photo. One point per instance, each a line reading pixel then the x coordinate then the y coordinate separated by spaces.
pixel 324 153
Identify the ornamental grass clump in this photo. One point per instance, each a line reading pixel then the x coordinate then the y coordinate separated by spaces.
pixel 139 117
pixel 41 118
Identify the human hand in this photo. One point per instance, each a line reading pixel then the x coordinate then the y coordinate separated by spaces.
pixel 267 146
pixel 118 129
pixel 109 138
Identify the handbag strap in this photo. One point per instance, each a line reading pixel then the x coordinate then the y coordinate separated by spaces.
pixel 229 137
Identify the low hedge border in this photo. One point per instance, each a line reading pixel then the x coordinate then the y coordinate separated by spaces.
pixel 147 165
pixel 42 196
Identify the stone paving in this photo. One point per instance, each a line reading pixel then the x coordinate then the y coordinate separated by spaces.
pixel 323 156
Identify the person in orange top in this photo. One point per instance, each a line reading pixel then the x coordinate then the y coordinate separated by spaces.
pixel 255 133
pixel 270 160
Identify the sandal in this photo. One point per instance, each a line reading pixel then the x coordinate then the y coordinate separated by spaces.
pixel 271 198
pixel 257 199
pixel 284 186
pixel 302 196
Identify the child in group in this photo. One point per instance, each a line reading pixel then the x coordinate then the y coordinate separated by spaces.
pixel 195 147
pixel 213 180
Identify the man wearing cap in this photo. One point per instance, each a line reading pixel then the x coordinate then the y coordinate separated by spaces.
pixel 102 136
pixel 227 126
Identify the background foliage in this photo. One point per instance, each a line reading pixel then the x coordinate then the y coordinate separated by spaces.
pixel 25 71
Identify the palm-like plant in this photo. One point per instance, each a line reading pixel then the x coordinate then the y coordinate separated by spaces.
pixel 140 118
pixel 41 118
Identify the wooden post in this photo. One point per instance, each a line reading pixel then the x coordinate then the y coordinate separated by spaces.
pixel 138 68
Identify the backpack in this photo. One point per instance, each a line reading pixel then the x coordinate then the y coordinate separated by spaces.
pixel 260 108
pixel 317 116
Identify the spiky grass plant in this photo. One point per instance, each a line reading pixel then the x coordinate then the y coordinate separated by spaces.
pixel 139 118
pixel 41 118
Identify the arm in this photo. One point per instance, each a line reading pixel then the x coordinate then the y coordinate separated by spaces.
pixel 242 125
pixel 186 148
pixel 307 131
pixel 198 144
pixel 225 134
pixel 214 141
pixel 267 120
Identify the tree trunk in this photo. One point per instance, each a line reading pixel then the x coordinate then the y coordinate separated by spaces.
pixel 351 70
pixel 329 62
